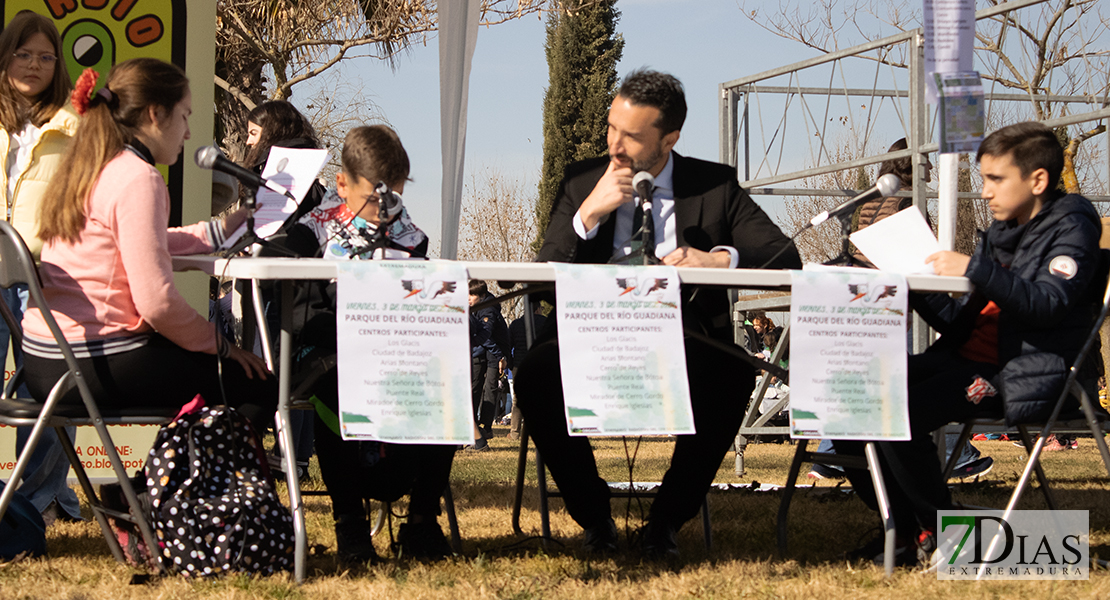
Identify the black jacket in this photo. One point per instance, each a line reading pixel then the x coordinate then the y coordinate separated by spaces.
pixel 710 210
pixel 1048 299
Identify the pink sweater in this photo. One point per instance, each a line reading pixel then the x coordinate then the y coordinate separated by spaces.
pixel 117 280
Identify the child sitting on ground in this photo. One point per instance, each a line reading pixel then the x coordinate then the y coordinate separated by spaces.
pixel 1005 347
pixel 342 228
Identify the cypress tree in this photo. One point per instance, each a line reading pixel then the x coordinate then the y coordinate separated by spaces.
pixel 583 49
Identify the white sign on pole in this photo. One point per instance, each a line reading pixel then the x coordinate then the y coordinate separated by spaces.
pixel 848 355
pixel 949 40
pixel 621 350
pixel 403 340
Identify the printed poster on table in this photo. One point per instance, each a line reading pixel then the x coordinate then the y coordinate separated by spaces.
pixel 621 350
pixel 848 354
pixel 403 343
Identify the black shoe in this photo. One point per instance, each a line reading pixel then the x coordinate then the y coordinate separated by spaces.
pixel 355 544
pixel 601 539
pixel 423 541
pixel 658 542
pixel 874 551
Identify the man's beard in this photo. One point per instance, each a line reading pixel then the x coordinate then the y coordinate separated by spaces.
pixel 645 164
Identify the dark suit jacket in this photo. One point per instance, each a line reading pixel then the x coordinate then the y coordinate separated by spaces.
pixel 710 210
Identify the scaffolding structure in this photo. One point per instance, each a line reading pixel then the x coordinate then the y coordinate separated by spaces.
pixel 809 107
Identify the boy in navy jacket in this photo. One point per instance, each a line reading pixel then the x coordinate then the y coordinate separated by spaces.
pixel 1035 276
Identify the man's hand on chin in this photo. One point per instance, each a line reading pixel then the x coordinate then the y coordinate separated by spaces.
pixel 614 189
pixel 686 256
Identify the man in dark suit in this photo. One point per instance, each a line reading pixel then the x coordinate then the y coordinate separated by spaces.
pixel 702 219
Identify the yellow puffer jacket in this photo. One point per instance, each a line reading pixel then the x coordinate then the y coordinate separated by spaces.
pixel 46 157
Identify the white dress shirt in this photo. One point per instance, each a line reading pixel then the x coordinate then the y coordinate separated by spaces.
pixel 662 215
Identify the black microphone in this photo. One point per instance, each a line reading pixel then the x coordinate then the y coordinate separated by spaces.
pixel 886 186
pixel 210 157
pixel 644 184
pixel 389 203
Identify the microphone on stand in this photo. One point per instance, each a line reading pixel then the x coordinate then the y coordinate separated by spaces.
pixel 210 157
pixel 389 203
pixel 886 186
pixel 644 184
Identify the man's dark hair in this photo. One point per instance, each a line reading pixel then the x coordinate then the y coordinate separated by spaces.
pixel 1030 145
pixel 659 90
pixel 478 287
pixel 375 153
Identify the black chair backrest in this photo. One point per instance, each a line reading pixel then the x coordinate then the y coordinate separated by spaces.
pixel 16 264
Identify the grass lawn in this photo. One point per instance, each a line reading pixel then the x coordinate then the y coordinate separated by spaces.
pixel 495 563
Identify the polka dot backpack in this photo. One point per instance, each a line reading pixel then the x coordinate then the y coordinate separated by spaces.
pixel 213 501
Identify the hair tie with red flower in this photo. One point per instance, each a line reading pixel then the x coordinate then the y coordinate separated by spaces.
pixel 83 90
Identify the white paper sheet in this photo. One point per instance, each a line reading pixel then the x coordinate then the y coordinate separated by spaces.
pixel 899 243
pixel 293 168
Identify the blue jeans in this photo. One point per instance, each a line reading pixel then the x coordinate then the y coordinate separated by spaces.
pixel 44 481
pixel 970 453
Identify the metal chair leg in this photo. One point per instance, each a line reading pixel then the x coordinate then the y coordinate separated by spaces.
pixel 884 506
pixel 800 456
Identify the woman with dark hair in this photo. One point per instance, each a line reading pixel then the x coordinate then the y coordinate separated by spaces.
pixel 37 124
pixel 106 266
pixel 279 123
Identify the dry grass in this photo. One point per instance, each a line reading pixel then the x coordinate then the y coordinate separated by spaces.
pixel 497 564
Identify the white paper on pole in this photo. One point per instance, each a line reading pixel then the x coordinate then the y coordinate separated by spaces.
pixel 294 169
pixel 848 354
pixel 949 40
pixel 962 118
pixel 621 350
pixel 899 243
pixel 403 340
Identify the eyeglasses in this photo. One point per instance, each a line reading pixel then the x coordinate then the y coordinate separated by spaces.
pixel 24 59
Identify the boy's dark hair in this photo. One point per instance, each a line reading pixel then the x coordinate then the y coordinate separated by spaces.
pixel 478 287
pixel 658 90
pixel 901 167
pixel 1030 145
pixel 375 153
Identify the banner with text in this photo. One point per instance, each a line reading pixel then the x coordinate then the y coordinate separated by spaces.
pixel 621 350
pixel 133 443
pixel 403 338
pixel 848 354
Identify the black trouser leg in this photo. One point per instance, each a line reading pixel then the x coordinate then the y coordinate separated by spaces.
pixel 912 471
pixel 720 388
pixel 569 459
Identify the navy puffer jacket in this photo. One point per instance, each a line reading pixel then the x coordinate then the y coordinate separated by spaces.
pixel 1049 298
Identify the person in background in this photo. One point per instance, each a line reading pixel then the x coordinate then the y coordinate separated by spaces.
pixel 488 360
pixel 518 336
pixel 38 123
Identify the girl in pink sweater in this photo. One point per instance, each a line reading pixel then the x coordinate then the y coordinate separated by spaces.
pixel 106 267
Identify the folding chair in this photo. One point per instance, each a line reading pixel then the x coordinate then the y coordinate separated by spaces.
pixel 546 493
pixel 17 266
pixel 1089 414
pixel 870 462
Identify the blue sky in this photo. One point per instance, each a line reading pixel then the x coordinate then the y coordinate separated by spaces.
pixel 703 43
